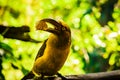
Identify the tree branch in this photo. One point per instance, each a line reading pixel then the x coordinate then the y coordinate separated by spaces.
pixel 20 33
pixel 111 75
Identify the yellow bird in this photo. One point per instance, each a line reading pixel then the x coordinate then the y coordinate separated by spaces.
pixel 54 51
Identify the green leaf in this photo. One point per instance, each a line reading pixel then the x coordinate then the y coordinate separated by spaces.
pixel 6 47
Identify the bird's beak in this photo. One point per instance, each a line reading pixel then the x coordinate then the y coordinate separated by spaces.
pixel 43 26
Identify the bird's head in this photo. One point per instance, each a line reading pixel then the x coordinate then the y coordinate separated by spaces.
pixel 60 29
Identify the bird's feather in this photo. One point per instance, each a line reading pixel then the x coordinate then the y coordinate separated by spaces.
pixel 41 50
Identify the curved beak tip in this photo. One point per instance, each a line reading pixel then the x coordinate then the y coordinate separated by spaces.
pixel 41 25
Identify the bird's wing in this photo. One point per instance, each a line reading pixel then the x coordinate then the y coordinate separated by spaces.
pixel 41 50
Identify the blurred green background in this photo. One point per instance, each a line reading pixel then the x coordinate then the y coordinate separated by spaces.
pixel 95 26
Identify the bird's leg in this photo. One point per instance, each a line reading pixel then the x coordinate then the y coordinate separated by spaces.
pixel 42 77
pixel 63 78
pixel 39 78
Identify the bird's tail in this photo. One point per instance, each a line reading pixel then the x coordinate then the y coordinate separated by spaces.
pixel 30 75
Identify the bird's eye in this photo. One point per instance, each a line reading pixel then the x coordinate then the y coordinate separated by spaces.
pixel 55 28
pixel 63 28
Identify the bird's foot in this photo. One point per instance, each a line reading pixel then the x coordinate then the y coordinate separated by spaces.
pixel 63 78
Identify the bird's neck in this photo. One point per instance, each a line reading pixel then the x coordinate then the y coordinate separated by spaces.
pixel 59 42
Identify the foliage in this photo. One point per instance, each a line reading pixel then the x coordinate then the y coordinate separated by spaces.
pixel 95 39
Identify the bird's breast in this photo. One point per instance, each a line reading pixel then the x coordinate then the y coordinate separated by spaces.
pixel 56 56
pixel 52 60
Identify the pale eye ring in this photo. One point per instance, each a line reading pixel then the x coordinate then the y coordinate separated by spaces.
pixel 55 28
pixel 63 28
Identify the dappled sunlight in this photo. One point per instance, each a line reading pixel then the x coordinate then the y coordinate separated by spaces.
pixel 95 29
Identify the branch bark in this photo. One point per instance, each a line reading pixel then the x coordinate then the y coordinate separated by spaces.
pixel 20 33
pixel 111 75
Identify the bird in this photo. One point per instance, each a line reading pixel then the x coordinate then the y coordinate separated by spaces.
pixel 54 51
